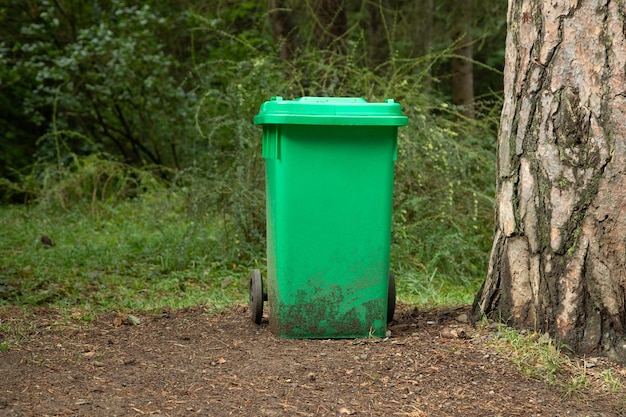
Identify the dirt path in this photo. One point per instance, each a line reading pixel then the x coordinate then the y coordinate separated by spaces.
pixel 188 363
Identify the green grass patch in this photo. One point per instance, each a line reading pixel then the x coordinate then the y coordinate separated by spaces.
pixel 147 254
pixel 15 327
pixel 432 290
pixel 141 254
pixel 540 357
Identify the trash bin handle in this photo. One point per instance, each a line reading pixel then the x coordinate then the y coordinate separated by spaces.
pixel 271 142
pixel 395 145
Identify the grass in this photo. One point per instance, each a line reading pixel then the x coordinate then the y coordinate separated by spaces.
pixel 15 327
pixel 147 254
pixel 194 240
pixel 142 255
pixel 152 252
pixel 539 357
pixel 424 289
pixel 126 242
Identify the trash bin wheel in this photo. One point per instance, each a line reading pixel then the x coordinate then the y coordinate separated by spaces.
pixel 256 296
pixel 391 297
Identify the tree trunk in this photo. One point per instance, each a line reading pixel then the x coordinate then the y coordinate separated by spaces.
pixel 283 27
pixel 461 65
pixel 558 261
pixel 423 34
pixel 331 24
pixel 377 34
pixel 422 39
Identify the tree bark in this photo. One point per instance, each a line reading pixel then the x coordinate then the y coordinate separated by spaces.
pixel 283 27
pixel 558 261
pixel 461 65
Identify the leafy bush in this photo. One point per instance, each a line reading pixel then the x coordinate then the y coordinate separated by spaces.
pixel 111 84
pixel 108 78
pixel 443 188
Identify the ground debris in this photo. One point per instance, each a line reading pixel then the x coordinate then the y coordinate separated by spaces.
pixel 229 366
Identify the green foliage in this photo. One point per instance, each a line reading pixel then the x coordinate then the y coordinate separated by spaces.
pixel 539 357
pixel 443 194
pixel 443 189
pixel 104 75
pixel 231 30
pixel 89 184
pixel 536 355
pixel 142 254
pixel 415 287
pixel 14 151
pixel 142 124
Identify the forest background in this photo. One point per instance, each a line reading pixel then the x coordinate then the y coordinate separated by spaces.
pixel 127 140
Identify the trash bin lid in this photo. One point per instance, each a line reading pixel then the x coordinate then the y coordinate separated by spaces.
pixel 330 111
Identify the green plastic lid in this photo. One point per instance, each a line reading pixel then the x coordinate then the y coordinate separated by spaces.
pixel 330 111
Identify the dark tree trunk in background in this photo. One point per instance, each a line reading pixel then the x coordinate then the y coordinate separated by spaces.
pixel 423 15
pixel 331 24
pixel 283 27
pixel 558 262
pixel 461 66
pixel 377 33
pixel 423 34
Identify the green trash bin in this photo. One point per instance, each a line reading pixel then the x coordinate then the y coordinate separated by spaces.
pixel 329 188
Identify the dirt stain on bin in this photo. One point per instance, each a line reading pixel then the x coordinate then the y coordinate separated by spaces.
pixel 330 313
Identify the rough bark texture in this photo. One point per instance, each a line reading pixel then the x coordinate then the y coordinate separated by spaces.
pixel 283 27
pixel 558 261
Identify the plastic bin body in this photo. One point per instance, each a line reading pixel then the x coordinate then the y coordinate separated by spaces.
pixel 329 188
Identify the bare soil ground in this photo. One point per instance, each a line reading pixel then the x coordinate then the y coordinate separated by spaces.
pixel 188 363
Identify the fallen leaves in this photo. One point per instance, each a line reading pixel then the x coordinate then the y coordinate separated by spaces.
pixel 454 333
pixel 129 320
